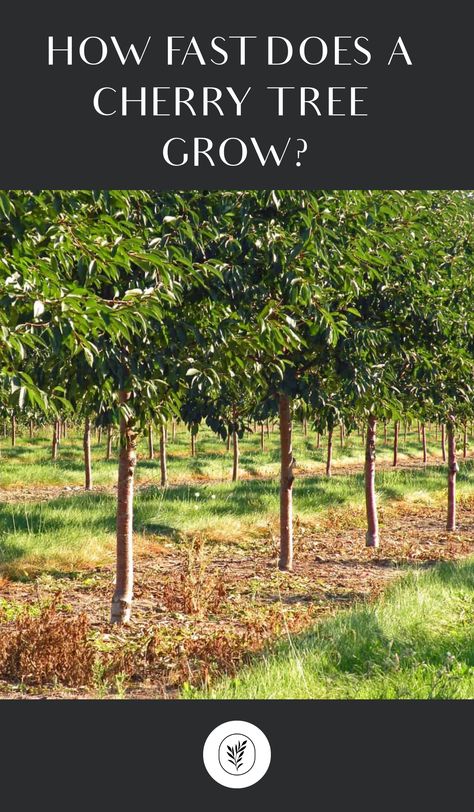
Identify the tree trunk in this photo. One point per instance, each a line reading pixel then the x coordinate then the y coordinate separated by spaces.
pixel 372 535
pixel 193 444
pixel 305 427
pixel 464 443
pixel 341 435
pixel 99 435
pixel 163 461
pixel 268 428
pixel 87 455
pixel 395 444
pixel 443 441
pixel 151 450
pixel 54 446
pixel 122 598
pixel 228 441
pixel 318 441
pixel 385 432
pixel 109 443
pixel 405 428
pixel 31 429
pixel 235 456
pixel 173 431
pixel 423 439
pixel 286 484
pixel 13 428
pixel 329 454
pixel 262 438
pixel 452 471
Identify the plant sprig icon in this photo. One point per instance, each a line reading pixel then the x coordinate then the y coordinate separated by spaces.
pixel 236 754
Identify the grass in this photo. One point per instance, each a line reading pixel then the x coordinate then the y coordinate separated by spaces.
pixel 415 642
pixel 76 530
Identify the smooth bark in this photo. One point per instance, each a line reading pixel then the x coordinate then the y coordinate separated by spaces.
pixel 55 443
pixel 372 535
pixel 163 460
pixel 123 594
pixel 235 456
pixel 395 443
pixel 443 441
pixel 109 443
pixel 286 484
pixel 13 430
pixel 87 455
pixel 452 472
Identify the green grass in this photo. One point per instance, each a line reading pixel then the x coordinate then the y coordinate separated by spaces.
pixel 77 530
pixel 416 642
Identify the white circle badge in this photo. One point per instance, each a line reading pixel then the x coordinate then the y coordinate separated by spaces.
pixel 237 754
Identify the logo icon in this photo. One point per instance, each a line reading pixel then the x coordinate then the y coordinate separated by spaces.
pixel 237 754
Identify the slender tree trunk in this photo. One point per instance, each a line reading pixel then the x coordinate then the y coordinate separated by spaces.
pixel 385 432
pixel 235 456
pixel 286 484
pixel 395 443
pixel 341 435
pixel 151 450
pixel 262 438
pixel 163 461
pixel 443 441
pixel 423 439
pixel 122 598
pixel 452 471
pixel 318 441
pixel 31 429
pixel 13 429
pixel 405 429
pixel 87 455
pixel 268 428
pixel 193 444
pixel 329 454
pixel 54 445
pixel 464 442
pixel 305 427
pixel 86 444
pixel 228 441
pixel 419 431
pixel 109 443
pixel 436 431
pixel 372 535
pixel 173 431
pixel 99 435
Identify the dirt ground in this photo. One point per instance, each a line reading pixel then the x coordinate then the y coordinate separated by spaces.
pixel 200 610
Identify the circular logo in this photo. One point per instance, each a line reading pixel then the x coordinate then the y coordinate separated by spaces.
pixel 237 754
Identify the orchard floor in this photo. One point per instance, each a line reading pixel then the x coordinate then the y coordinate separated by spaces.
pixel 209 597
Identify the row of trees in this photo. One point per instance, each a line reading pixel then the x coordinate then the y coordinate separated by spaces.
pixel 338 308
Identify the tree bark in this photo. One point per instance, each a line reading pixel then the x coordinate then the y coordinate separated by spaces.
pixel 385 432
pixel 395 444
pixel 452 471
pixel 99 435
pixel 329 454
pixel 262 438
pixel 54 446
pixel 193 444
pixel 341 435
pixel 318 441
pixel 235 456
pixel 443 441
pixel 305 427
pixel 372 535
pixel 163 461
pixel 423 439
pixel 151 450
pixel 109 443
pixel 87 455
pixel 286 484
pixel 228 441
pixel 13 429
pixel 122 597
pixel 464 444
pixel 31 429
